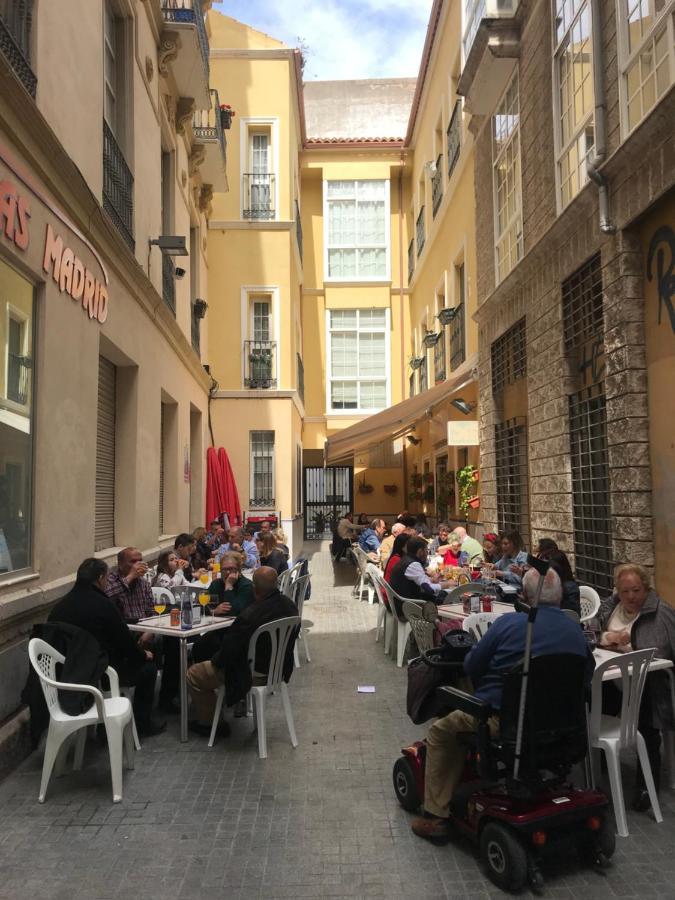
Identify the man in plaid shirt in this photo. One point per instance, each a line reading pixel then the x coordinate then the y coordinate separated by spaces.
pixel 127 587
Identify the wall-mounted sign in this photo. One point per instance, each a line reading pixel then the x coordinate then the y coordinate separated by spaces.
pixel 73 277
pixel 14 215
pixel 463 434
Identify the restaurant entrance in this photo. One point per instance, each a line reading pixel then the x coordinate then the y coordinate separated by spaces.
pixel 328 496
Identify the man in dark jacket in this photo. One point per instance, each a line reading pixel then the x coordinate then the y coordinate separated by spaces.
pixel 229 665
pixel 409 578
pixel 88 607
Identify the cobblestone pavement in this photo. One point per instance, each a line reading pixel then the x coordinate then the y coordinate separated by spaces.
pixel 318 821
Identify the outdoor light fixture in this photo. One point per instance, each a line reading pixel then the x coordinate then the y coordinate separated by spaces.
pixel 416 362
pixel 464 406
pixel 171 245
pixel 446 315
pixel 413 440
pixel 431 338
pixel 200 307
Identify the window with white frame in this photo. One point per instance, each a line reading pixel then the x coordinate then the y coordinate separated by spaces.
pixel 357 229
pixel 573 84
pixel 506 177
pixel 262 468
pixel 357 354
pixel 646 54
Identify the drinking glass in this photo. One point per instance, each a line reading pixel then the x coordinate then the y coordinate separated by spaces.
pixel 204 578
pixel 204 600
pixel 159 607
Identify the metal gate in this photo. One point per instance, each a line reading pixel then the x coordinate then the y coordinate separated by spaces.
pixel 328 496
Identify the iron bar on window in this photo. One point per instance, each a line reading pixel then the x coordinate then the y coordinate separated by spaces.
pixel 457 339
pixel 169 282
pixel 259 193
pixel 509 357
pixel 437 186
pixel 260 364
pixel 454 137
pixel 16 20
pixel 118 187
pixel 513 508
pixel 419 228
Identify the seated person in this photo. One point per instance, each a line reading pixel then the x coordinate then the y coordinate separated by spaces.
pixel 454 555
pixel 236 541
pixel 470 546
pixel 169 570
pixel 491 548
pixel 499 650
pixel 387 544
pixel 229 665
pixel 635 618
pixel 87 606
pixel 270 554
pixel 232 592
pixel 571 593
pixel 421 527
pixel 439 544
pixel 371 538
pixel 185 546
pixel 202 551
pixel 282 542
pixel 363 521
pixel 409 578
pixel 214 536
pixel 510 566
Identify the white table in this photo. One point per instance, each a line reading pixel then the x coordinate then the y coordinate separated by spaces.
pixel 456 610
pixel 161 625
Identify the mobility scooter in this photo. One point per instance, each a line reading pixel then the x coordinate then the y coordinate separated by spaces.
pixel 515 801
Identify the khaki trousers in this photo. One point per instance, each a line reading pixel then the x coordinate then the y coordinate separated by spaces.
pixel 203 680
pixel 446 758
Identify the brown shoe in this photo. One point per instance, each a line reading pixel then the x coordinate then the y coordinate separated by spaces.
pixel 431 827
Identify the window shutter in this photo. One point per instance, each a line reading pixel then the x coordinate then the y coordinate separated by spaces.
pixel 104 528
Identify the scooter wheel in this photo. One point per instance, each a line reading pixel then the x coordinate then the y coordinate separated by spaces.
pixel 504 857
pixel 404 786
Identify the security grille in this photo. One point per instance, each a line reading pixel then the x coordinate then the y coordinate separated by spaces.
pixel 16 21
pixel 328 497
pixel 457 339
pixel 424 380
pixel 582 305
pixel 454 137
pixel 590 486
pixel 439 359
pixel 437 186
pixel 509 357
pixel 104 513
pixel 513 506
pixel 262 469
pixel 118 187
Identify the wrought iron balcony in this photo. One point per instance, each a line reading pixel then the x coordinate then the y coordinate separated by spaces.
pixel 457 338
pixel 260 364
pixel 169 282
pixel 18 378
pixel 189 56
pixel 454 135
pixel 16 19
pixel 419 228
pixel 298 228
pixel 490 41
pixel 439 360
pixel 118 187
pixel 208 131
pixel 258 196
pixel 262 503
pixel 411 260
pixel 437 185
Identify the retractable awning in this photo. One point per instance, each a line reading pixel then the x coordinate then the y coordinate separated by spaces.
pixel 392 422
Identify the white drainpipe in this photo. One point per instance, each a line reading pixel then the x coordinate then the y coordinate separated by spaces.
pixel 600 122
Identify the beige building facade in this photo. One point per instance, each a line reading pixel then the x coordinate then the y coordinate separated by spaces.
pixel 105 169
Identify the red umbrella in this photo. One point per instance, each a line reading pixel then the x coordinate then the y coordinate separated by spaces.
pixel 229 487
pixel 215 500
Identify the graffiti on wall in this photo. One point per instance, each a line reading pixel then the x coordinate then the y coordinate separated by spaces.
pixel 662 252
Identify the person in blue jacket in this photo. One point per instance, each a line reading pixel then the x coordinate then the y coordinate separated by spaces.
pixel 510 568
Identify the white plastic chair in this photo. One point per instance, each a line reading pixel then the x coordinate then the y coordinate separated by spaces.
pixel 280 633
pixel 287 578
pixel 590 602
pixel 385 616
pixel 478 623
pixel 402 624
pixel 363 581
pixel 299 592
pixel 612 735
pixel 422 630
pixel 163 595
pixel 114 713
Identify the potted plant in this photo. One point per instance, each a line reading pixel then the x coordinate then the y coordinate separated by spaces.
pixel 466 481
pixel 226 116
pixel 445 487
pixel 365 488
pixel 390 489
pixel 417 485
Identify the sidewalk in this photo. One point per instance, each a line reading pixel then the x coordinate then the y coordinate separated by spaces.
pixel 318 821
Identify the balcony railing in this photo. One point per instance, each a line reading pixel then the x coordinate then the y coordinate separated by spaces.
pixel 454 137
pixel 301 377
pixel 437 186
pixel 260 364
pixel 169 282
pixel 298 228
pixel 477 10
pixel 207 124
pixel 457 340
pixel 16 21
pixel 118 187
pixel 419 229
pixel 18 378
pixel 258 194
pixel 262 502
pixel 189 12
pixel 439 360
pixel 411 260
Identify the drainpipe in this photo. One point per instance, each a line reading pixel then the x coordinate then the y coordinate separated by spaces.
pixel 400 294
pixel 600 122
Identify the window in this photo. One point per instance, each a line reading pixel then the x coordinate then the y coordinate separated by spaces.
pixel 16 420
pixel 358 352
pixel 104 518
pixel 16 22
pixel 512 477
pixel 647 55
pixel 509 357
pixel 357 223
pixel 262 469
pixel 573 81
pixel 260 349
pixel 424 379
pixel 457 326
pixel 506 180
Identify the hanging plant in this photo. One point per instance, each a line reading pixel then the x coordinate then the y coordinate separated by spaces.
pixel 467 490
pixel 390 489
pixel 365 488
pixel 445 487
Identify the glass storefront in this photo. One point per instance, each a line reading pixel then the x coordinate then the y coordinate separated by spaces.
pixel 16 419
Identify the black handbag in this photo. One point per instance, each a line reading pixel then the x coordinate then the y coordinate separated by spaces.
pixel 433 669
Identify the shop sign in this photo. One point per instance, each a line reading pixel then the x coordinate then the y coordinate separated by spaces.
pixel 14 215
pixel 73 277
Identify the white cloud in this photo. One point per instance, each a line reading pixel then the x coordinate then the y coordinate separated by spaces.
pixel 345 38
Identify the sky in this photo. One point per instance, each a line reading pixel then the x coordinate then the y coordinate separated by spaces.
pixel 343 38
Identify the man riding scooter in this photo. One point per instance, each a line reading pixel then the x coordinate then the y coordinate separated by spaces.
pixel 500 649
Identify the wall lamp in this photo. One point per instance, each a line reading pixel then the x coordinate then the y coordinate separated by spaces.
pixel 170 245
pixel 464 406
pixel 413 440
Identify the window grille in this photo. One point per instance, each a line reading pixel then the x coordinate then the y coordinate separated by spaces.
pixel 424 381
pixel 454 137
pixel 513 507
pixel 439 359
pixel 590 487
pixel 262 469
pixel 437 186
pixel 582 305
pixel 419 228
pixel 16 21
pixel 509 357
pixel 457 338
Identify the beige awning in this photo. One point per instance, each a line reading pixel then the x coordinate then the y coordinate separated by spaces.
pixel 392 422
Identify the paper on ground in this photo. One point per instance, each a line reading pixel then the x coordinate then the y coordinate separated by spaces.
pixel 366 689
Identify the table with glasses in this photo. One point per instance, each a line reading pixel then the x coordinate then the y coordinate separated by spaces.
pixel 456 610
pixel 161 625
